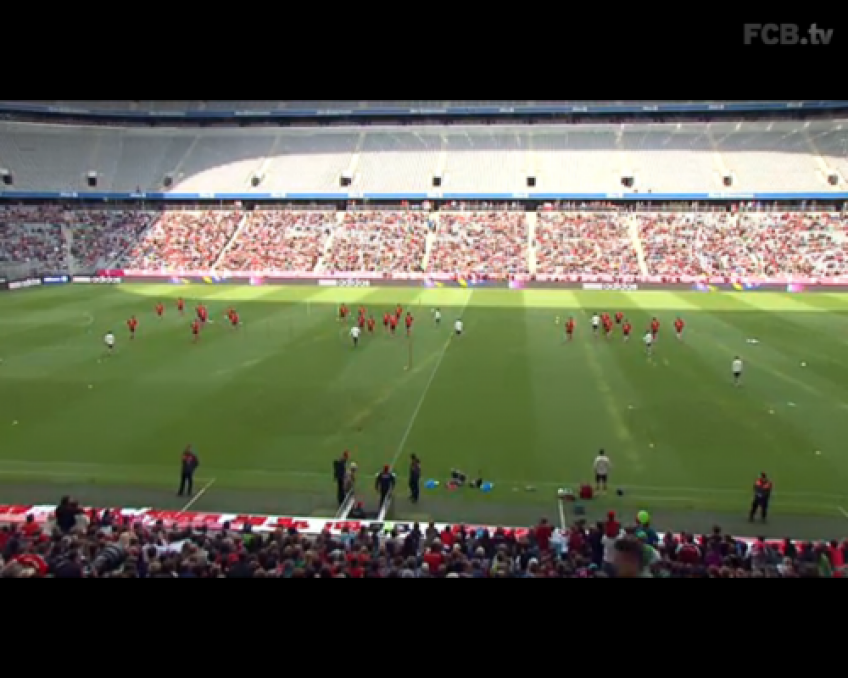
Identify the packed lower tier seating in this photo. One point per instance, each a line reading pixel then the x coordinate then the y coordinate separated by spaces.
pixel 79 544
pixel 482 244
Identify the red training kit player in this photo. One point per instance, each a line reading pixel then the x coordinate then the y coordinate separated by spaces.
pixel 679 325
pixel 343 312
pixel 361 322
pixel 195 330
pixel 132 324
pixel 410 321
pixel 180 306
pixel 371 325
pixel 655 327
pixel 608 327
pixel 627 329
pixel 160 310
pixel 619 317
pixel 569 329
pixel 399 312
pixel 234 318
pixel 386 320
pixel 393 321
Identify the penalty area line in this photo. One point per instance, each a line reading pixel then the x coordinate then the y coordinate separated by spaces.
pixel 842 511
pixel 196 498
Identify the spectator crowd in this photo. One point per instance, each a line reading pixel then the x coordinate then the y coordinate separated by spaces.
pixel 379 242
pixel 585 244
pixel 489 245
pixel 280 241
pixel 184 240
pixel 77 544
pixel 493 245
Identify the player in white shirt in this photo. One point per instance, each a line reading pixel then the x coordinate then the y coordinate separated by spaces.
pixel 437 316
pixel 355 333
pixel 109 340
pixel 649 343
pixel 602 469
pixel 459 327
pixel 738 368
pixel 596 323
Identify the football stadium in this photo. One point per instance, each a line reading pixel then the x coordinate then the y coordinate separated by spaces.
pixel 408 339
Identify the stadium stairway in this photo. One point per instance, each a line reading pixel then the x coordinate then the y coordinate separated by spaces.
pixel 432 238
pixel 328 246
pixel 721 168
pixel 244 221
pixel 824 168
pixel 636 239
pixel 532 224
pixel 68 241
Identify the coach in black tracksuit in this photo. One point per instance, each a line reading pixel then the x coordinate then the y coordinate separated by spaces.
pixel 190 464
pixel 385 484
pixel 415 479
pixel 340 475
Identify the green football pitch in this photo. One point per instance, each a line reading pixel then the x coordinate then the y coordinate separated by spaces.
pixel 268 406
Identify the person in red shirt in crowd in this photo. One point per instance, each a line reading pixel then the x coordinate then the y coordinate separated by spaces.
pixel 569 329
pixel 434 558
pixel 447 537
pixel 612 528
pixel 181 306
pixel 627 329
pixel 30 527
pixel 132 325
pixel 372 325
pixel 544 532
pixel 688 553
pixel 195 331
pixel 679 326
pixel 160 309
pixel 410 321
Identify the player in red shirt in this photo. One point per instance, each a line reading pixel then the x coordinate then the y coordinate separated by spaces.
pixel 132 325
pixel 410 321
pixel 361 322
pixel 608 327
pixel 195 330
pixel 605 318
pixel 393 322
pixel 569 329
pixel 234 318
pixel 399 313
pixel 372 324
pixel 387 320
pixel 655 328
pixel 679 325
pixel 628 330
pixel 343 313
pixel 181 306
pixel 619 318
pixel 160 309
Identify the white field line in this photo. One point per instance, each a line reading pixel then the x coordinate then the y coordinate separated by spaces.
pixel 842 511
pixel 426 392
pixel 196 498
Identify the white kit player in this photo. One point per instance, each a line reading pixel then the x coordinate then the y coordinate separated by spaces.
pixel 596 323
pixel 437 316
pixel 459 328
pixel 649 343
pixel 355 334
pixel 738 368
pixel 602 470
pixel 109 340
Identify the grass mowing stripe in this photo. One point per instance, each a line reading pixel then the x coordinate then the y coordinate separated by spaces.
pixel 427 388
